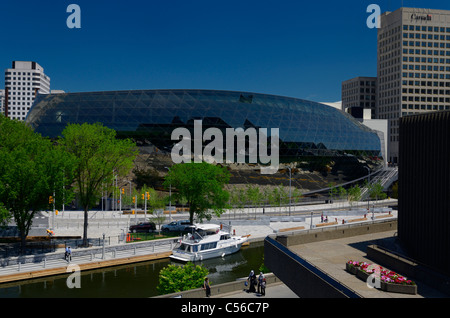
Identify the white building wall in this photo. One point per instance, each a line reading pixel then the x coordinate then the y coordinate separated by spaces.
pixel 22 84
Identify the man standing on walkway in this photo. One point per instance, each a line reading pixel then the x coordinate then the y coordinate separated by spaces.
pixel 251 282
pixel 207 287
pixel 261 284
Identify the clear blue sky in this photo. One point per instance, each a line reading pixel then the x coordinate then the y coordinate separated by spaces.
pixel 302 49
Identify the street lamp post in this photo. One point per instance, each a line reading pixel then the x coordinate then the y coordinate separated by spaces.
pixel 290 193
pixel 368 188
pixel 130 190
pixel 170 199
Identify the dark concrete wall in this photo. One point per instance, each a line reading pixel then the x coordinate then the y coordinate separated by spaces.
pixel 424 188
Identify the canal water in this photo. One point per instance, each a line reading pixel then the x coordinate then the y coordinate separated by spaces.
pixel 133 281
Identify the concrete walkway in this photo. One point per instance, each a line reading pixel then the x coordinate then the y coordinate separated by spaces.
pixel 277 290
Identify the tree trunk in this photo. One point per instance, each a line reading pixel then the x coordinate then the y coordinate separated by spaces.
pixel 85 228
pixel 23 242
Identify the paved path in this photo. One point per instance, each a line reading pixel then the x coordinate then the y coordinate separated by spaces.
pixel 277 290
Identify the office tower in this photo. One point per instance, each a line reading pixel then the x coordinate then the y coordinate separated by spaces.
pixel 359 96
pixel 2 100
pixel 413 66
pixel 22 84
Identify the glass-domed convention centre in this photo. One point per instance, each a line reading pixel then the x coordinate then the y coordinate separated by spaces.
pixel 149 117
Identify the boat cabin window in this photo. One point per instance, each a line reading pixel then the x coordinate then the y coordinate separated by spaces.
pixel 225 237
pixel 188 248
pixel 184 247
pixel 208 246
pixel 204 233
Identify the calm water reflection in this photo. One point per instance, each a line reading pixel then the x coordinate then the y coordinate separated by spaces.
pixel 132 281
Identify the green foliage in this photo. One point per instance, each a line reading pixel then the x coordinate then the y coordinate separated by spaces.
pixel 263 268
pixel 354 193
pixel 99 155
pixel 376 191
pixel 175 278
pixel 32 169
pixel 395 190
pixel 202 186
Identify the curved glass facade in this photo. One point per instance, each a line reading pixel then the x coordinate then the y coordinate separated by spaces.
pixel 150 116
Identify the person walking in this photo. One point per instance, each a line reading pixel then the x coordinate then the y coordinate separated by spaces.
pixel 251 282
pixel 263 287
pixel 207 287
pixel 68 254
pixel 261 278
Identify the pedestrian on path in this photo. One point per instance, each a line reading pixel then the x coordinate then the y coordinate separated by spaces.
pixel 251 280
pixel 261 279
pixel 68 254
pixel 207 287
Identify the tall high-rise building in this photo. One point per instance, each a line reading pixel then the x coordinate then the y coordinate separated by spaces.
pixel 2 99
pixel 413 68
pixel 359 96
pixel 22 84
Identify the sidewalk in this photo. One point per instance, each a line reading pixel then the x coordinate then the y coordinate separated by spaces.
pixel 277 290
pixel 91 258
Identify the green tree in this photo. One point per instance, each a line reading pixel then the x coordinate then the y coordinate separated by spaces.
pixel 253 195
pixel 354 194
pixel 237 199
pixel 154 200
pixel 99 156
pixel 395 190
pixel 376 191
pixel 202 186
pixel 175 278
pixel 32 169
pixel 296 195
pixel 333 193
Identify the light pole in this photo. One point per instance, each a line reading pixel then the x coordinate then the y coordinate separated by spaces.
pixel 130 191
pixel 170 199
pixel 368 188
pixel 290 194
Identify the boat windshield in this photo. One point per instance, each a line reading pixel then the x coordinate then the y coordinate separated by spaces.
pixel 188 248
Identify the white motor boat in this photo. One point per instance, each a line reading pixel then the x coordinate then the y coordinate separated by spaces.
pixel 207 241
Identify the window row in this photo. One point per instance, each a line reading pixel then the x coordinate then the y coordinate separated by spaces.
pixel 425 107
pixel 442 45
pixel 426 75
pixel 425 99
pixel 426 83
pixel 425 28
pixel 426 36
pixel 422 67
pixel 23 73
pixel 21 103
pixel 426 60
pixel 426 52
pixel 426 91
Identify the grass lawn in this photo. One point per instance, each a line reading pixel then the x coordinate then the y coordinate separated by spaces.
pixel 139 237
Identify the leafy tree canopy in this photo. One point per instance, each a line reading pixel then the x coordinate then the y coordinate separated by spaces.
pixel 175 278
pixel 202 186
pixel 32 169
pixel 99 156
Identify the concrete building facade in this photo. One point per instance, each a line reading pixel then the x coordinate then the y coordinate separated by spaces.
pixel 2 99
pixel 359 97
pixel 23 81
pixel 413 66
